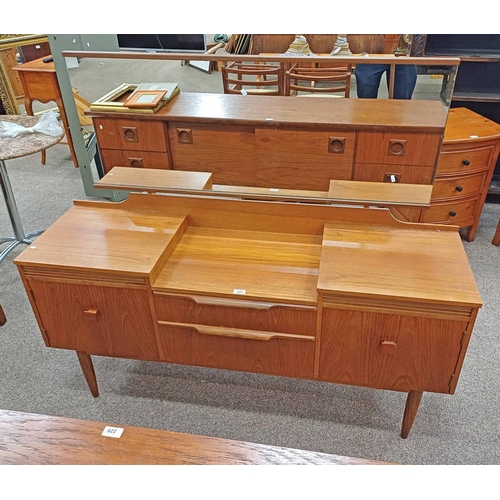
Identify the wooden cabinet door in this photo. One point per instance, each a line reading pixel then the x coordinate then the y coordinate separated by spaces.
pixel 390 351
pixel 227 151
pixel 303 159
pixel 102 320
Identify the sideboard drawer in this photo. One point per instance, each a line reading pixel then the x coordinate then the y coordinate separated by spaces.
pixel 458 187
pixel 453 161
pixel 130 134
pixel 405 174
pixel 235 313
pixel 460 213
pixel 135 159
pixel 233 350
pixel 398 148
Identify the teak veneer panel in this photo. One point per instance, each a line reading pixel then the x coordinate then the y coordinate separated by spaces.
pixel 29 439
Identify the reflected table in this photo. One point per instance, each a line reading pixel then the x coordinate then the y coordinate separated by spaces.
pixel 16 147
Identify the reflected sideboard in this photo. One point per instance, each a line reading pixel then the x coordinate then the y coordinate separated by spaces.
pixel 320 292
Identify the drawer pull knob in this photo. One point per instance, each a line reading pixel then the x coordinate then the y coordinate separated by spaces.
pixel 388 347
pixel 130 134
pixel 466 162
pixel 397 147
pixel 136 162
pixel 459 189
pixel 453 213
pixel 92 314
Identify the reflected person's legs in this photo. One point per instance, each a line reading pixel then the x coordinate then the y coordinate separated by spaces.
pixel 368 79
pixel 405 81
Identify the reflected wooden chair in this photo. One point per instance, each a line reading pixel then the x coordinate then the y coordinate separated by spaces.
pixel 3 318
pixel 496 238
pixel 253 79
pixel 319 80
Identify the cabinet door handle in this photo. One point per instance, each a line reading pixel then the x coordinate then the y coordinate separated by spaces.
pixel 388 347
pixel 136 162
pixel 459 189
pixel 130 134
pixel 91 314
pixel 466 162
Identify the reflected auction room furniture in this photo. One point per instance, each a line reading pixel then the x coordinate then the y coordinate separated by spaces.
pixel 29 440
pixel 273 142
pixel 321 292
pixel 16 147
pixel 320 81
pixel 260 79
pixel 466 165
pixel 39 81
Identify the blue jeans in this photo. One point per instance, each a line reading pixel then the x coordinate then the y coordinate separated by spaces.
pixel 368 78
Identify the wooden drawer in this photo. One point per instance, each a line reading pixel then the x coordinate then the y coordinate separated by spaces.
pixel 396 148
pixel 456 212
pixel 228 152
pixel 387 351
pixel 130 134
pixel 405 174
pixel 237 350
pixel 234 313
pixel 102 320
pixel 458 187
pixel 453 161
pixel 284 157
pixel 136 159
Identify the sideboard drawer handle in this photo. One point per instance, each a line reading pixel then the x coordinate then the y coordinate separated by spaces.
pixel 459 189
pixel 397 147
pixel 136 162
pixel 388 347
pixel 92 314
pixel 130 134
pixel 185 135
pixel 336 144
pixel 453 213
pixel 466 162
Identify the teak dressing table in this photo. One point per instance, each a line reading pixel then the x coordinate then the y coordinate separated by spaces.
pixel 329 293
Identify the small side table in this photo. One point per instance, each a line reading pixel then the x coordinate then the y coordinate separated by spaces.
pixel 39 81
pixel 16 147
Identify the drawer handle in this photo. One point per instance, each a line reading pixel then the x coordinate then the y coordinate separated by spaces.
pixel 388 347
pixel 459 189
pixel 397 147
pixel 130 134
pixel 136 162
pixel 185 135
pixel 336 144
pixel 466 162
pixel 91 314
pixel 453 213
pixel 202 300
pixel 222 331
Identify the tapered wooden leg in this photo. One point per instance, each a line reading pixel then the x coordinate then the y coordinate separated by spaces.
pixel 411 408
pixel 44 156
pixel 88 372
pixel 3 318
pixel 496 238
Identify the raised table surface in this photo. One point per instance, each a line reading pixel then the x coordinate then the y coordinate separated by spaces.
pixel 32 439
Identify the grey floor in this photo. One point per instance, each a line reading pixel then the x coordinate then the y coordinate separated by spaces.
pixel 343 420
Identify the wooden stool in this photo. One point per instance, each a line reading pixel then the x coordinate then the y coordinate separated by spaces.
pixel 496 238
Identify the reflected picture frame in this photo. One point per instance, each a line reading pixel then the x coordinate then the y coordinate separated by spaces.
pixel 145 98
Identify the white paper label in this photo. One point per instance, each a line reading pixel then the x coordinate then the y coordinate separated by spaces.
pixel 113 432
pixel 237 291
